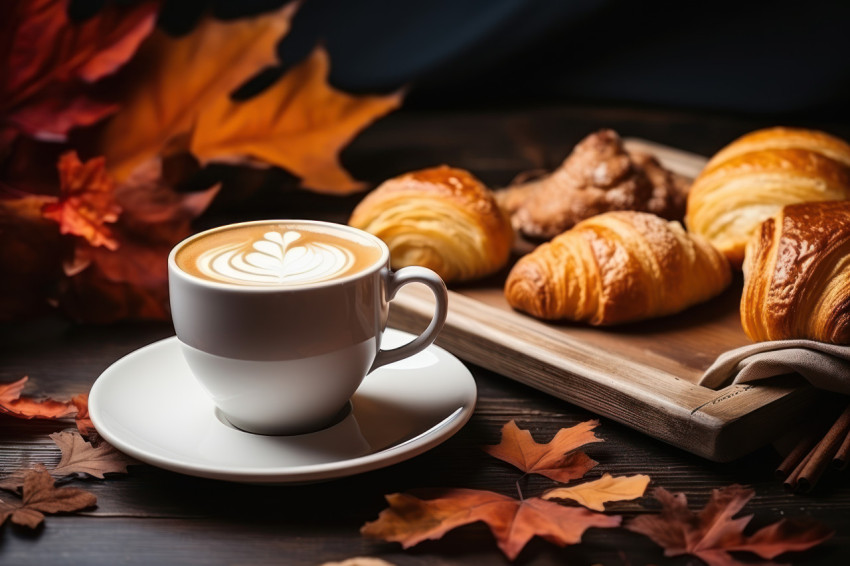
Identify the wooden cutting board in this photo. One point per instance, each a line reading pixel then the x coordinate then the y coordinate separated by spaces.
pixel 643 375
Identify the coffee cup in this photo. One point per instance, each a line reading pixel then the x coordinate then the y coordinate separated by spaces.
pixel 281 320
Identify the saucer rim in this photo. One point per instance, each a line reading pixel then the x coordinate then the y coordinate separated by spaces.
pixel 424 441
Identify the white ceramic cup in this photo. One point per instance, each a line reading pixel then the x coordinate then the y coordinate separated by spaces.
pixel 287 358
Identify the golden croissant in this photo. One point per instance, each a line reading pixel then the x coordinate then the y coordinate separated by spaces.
pixel 441 218
pixel 617 267
pixel 797 275
pixel 756 175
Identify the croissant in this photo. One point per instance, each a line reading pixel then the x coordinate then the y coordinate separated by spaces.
pixel 797 275
pixel 756 175
pixel 617 267
pixel 441 218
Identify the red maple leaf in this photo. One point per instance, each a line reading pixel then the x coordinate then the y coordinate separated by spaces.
pixel 712 533
pixel 556 459
pixel 410 520
pixel 47 61
pixel 87 202
pixel 11 403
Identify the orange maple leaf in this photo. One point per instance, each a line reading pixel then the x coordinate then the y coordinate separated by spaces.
pixel 87 201
pixel 46 60
pixel 410 520
pixel 557 459
pixel 11 403
pixel 83 420
pixel 105 285
pixel 594 494
pixel 712 533
pixel 300 123
pixel 174 80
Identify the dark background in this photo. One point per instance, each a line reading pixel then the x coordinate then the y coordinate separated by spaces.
pixel 789 59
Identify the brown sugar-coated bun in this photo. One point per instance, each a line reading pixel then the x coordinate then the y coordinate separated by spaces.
pixel 756 175
pixel 617 267
pixel 797 275
pixel 441 218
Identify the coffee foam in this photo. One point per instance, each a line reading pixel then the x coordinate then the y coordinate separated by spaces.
pixel 274 255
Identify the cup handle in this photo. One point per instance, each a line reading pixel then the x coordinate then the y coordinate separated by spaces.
pixel 397 279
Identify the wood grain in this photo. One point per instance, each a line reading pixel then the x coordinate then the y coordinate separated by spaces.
pixel 643 374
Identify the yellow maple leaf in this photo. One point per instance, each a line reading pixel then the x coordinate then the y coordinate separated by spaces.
pixel 300 124
pixel 594 494
pixel 175 79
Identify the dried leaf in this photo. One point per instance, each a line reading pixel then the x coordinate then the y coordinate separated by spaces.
pixel 360 561
pixel 712 533
pixel 87 201
pixel 11 403
pixel 410 520
pixel 83 420
pixel 80 457
pixel 132 282
pixel 594 494
pixel 47 61
pixel 556 459
pixel 174 80
pixel 40 496
pixel 300 123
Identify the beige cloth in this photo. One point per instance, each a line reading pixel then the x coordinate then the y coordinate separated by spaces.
pixel 826 366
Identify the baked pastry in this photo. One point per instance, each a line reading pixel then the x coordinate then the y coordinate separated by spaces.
pixel 751 179
pixel 797 275
pixel 441 218
pixel 617 267
pixel 598 176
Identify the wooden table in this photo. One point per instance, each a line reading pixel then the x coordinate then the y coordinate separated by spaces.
pixel 152 516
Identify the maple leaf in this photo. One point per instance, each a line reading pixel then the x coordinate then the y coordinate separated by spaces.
pixel 300 123
pixel 712 533
pixel 175 79
pixel 410 520
pixel 11 403
pixel 594 494
pixel 82 418
pixel 556 459
pixel 46 61
pixel 40 496
pixel 87 201
pixel 105 285
pixel 80 457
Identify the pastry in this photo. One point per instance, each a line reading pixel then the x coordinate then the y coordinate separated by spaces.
pixel 797 275
pixel 441 218
pixel 617 267
pixel 755 176
pixel 598 176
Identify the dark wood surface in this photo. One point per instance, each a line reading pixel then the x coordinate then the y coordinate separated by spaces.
pixel 152 516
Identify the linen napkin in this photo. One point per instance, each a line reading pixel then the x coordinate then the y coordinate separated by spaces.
pixel 826 366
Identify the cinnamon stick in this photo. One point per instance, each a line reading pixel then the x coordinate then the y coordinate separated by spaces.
pixel 790 482
pixel 822 454
pixel 799 452
pixel 842 456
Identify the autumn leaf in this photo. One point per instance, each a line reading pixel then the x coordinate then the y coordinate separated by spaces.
pixel 40 496
pixel 47 61
pixel 410 520
pixel 132 282
pixel 300 123
pixel 80 457
pixel 87 201
pixel 556 459
pixel 82 418
pixel 174 80
pixel 712 533
pixel 594 494
pixel 11 403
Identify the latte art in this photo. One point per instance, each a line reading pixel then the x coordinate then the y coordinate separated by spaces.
pixel 275 255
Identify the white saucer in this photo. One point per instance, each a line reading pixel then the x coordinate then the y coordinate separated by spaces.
pixel 149 406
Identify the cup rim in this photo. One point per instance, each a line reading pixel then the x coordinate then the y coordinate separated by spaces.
pixel 379 264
